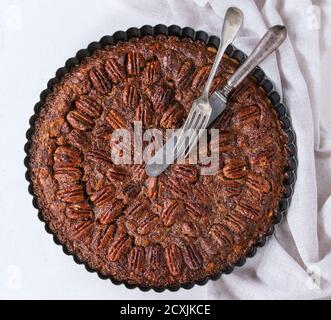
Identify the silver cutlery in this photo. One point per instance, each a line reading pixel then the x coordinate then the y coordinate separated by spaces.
pixel 201 110
pixel 166 155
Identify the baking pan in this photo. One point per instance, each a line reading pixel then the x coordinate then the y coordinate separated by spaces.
pixel 234 53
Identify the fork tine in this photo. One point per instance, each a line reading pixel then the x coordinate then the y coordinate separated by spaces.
pixel 189 133
pixel 198 135
pixel 181 144
pixel 200 122
pixel 186 125
pixel 183 133
pixel 197 121
pixel 191 119
pixel 192 133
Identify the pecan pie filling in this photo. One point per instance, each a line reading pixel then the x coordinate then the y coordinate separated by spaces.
pixel 182 226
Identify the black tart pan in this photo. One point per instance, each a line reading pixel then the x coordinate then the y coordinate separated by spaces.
pixel 234 53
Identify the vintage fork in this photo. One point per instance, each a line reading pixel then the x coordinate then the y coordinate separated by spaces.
pixel 200 112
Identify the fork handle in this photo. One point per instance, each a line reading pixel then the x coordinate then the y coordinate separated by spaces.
pixel 231 25
pixel 272 39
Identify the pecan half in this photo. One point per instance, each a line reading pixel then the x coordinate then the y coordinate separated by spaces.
pixel 99 158
pixel 201 193
pixel 177 188
pixel 81 211
pixel 224 142
pixel 116 120
pixel 189 229
pixel 65 156
pixel 68 175
pixel 114 70
pixel 152 72
pixel 96 180
pixel 100 80
pixel 102 236
pixel 136 259
pixel 201 77
pixel 88 106
pixel 146 223
pixel 235 169
pixel 186 173
pixel 118 247
pixel 82 229
pixel 172 117
pixel 137 207
pixel 162 98
pixel 134 62
pixel 192 257
pixel 131 226
pixel 151 187
pixel 103 196
pixel 80 121
pixel 221 236
pixel 144 113
pixel 71 194
pixel 207 246
pixel 153 257
pixel 258 183
pixel 170 212
pixel 131 189
pixel 247 114
pixel 131 96
pixel 116 173
pixel 103 131
pixel 79 139
pixel 248 209
pixel 231 188
pixel 173 257
pixel 108 213
pixel 185 74
pixel 195 210
pixel 234 223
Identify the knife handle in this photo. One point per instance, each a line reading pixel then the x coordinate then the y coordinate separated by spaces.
pixel 272 39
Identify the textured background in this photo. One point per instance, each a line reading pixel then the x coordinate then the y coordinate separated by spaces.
pixel 36 38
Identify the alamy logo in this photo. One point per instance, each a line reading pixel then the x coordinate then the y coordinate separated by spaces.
pixel 137 147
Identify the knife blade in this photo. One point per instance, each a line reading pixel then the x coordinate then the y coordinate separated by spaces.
pixel 165 156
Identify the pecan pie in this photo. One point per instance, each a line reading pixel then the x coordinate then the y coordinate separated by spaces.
pixel 182 226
